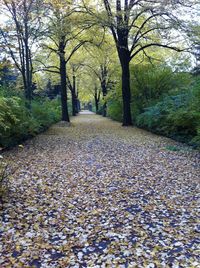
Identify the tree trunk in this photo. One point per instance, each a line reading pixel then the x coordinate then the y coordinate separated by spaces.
pixel 78 105
pixel 96 104
pixel 126 92
pixel 28 88
pixel 65 114
pixel 104 91
pixel 74 104
pixel 74 98
pixel 97 94
pixel 104 112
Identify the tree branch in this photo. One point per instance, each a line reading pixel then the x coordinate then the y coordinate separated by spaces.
pixel 110 16
pixel 74 50
pixel 157 45
pixel 10 51
pixel 145 22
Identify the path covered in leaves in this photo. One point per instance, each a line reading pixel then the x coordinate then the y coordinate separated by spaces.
pixel 96 194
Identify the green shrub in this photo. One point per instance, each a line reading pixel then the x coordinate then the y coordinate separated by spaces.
pixel 177 117
pixel 154 116
pixel 114 103
pixel 18 123
pixel 100 110
pixel 149 83
pixel 46 112
pixel 196 140
pixel 114 109
pixel 13 119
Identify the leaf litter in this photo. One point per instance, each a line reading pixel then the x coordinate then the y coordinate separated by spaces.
pixel 95 194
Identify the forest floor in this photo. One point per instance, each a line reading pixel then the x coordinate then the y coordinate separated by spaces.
pixel 95 194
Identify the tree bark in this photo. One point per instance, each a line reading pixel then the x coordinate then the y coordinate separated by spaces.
pixel 28 88
pixel 96 105
pixel 74 98
pixel 104 108
pixel 63 80
pixel 27 77
pixel 97 94
pixel 96 98
pixel 126 92
pixel 104 91
pixel 27 62
pixel 74 104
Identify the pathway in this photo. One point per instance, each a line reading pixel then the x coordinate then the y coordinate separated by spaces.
pixel 95 194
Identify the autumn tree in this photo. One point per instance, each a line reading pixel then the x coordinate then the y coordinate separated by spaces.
pixel 137 25
pixel 64 39
pixel 97 96
pixel 76 66
pixel 102 72
pixel 87 36
pixel 20 34
pixel 90 89
pixel 101 61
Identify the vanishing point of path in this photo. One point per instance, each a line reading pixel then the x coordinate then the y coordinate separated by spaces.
pixel 96 194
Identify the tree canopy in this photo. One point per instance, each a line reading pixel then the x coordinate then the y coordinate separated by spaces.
pixel 96 43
